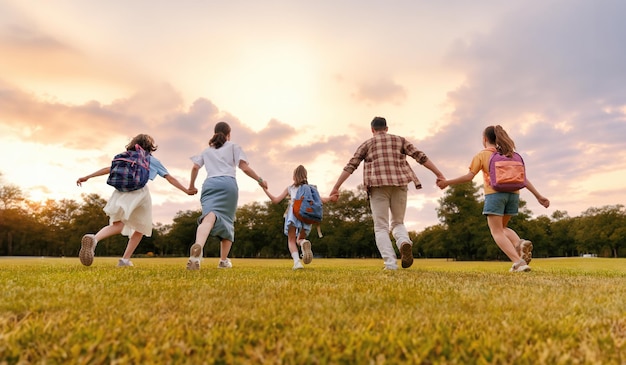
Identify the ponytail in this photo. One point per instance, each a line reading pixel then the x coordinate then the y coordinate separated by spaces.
pixel 497 135
pixel 222 130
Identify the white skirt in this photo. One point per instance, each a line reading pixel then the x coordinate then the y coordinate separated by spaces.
pixel 133 208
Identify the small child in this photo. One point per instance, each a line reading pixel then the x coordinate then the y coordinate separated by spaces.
pixel 295 230
pixel 130 213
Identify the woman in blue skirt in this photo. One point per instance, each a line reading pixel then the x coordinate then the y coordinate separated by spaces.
pixel 219 194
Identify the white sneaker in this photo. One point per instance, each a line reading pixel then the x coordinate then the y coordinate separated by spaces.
pixel 195 256
pixel 87 249
pixel 307 254
pixel 124 263
pixel 298 265
pixel 520 266
pixel 226 264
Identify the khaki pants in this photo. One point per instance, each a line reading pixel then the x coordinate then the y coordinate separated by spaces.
pixel 383 201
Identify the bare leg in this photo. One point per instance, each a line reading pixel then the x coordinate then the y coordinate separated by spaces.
pixel 496 227
pixel 225 246
pixel 204 229
pixel 110 230
pixel 133 242
pixel 291 240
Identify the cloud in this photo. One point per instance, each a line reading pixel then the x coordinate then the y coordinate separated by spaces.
pixel 380 91
pixel 551 75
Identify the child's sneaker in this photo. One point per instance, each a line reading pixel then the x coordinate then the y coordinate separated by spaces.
pixel 225 264
pixel 195 255
pixel 298 265
pixel 124 263
pixel 87 249
pixel 525 250
pixel 307 254
pixel 406 250
pixel 520 266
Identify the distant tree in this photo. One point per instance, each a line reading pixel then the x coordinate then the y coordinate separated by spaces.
pixel 601 229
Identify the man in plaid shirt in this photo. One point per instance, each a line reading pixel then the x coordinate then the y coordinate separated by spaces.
pixel 386 175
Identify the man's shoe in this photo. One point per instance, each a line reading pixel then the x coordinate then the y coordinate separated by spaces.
pixel 406 250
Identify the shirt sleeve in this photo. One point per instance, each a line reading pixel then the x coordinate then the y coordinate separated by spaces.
pixel 198 160
pixel 239 154
pixel 411 150
pixel 157 168
pixel 356 159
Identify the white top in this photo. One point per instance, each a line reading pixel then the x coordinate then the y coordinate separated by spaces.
pixel 222 161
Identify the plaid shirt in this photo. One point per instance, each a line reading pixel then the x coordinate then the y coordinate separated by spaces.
pixel 385 161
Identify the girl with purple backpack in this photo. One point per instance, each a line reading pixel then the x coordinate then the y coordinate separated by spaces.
pixel 500 206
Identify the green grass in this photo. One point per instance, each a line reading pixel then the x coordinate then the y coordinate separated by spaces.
pixel 566 311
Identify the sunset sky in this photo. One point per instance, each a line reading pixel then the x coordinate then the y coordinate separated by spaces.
pixel 299 82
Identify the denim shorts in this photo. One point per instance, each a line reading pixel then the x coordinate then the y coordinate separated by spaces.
pixel 501 204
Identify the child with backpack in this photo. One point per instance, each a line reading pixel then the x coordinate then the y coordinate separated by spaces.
pixel 130 206
pixel 304 210
pixel 502 197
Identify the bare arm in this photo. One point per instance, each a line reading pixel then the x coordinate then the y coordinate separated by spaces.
pixel 540 198
pixel 172 180
pixel 278 198
pixel 429 164
pixel 459 180
pixel 194 175
pixel 102 171
pixel 342 178
pixel 245 167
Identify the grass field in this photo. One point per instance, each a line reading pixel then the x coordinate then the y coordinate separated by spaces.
pixel 566 311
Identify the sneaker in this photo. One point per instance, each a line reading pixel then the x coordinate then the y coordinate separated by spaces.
pixel 124 263
pixel 225 264
pixel 195 256
pixel 520 266
pixel 525 250
pixel 87 249
pixel 406 250
pixel 298 265
pixel 307 254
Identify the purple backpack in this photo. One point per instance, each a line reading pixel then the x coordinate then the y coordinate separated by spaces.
pixel 507 174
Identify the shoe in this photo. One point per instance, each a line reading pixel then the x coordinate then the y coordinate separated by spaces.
pixel 520 266
pixel 124 263
pixel 226 264
pixel 406 250
pixel 297 266
pixel 307 254
pixel 87 249
pixel 526 250
pixel 195 256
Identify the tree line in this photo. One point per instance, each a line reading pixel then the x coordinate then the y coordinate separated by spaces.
pixel 54 228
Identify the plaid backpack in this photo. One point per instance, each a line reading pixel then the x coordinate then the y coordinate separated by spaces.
pixel 507 174
pixel 307 205
pixel 130 170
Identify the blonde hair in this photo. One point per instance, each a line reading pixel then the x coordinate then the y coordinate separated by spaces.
pixel 497 135
pixel 300 176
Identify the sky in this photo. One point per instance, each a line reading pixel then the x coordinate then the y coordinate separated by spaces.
pixel 300 81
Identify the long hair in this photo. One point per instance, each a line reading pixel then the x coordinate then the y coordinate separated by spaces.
pixel 145 141
pixel 300 176
pixel 497 135
pixel 221 130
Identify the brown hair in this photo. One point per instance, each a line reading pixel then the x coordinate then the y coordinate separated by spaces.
pixel 221 130
pixel 300 176
pixel 145 141
pixel 497 135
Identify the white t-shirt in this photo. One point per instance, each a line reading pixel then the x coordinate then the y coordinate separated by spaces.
pixel 222 161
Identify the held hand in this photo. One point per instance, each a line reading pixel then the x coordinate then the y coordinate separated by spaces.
pixel 442 183
pixel 263 184
pixel 192 191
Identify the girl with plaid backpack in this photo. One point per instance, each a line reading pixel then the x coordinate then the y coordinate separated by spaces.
pixel 129 211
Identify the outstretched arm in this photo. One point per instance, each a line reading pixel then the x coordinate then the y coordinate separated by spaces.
pixel 429 164
pixel 278 198
pixel 172 180
pixel 459 180
pixel 540 198
pixel 343 177
pixel 102 171
pixel 245 167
